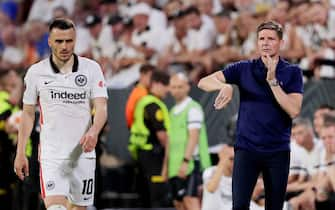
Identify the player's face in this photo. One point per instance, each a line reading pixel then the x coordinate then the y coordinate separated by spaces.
pixel 328 137
pixel 179 88
pixel 62 43
pixel 268 42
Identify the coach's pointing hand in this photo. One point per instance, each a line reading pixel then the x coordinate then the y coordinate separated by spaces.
pixel 89 140
pixel 224 96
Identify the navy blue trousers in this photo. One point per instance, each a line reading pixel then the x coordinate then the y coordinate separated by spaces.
pixel 248 165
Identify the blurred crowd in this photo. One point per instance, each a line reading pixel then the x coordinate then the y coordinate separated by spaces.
pixel 196 37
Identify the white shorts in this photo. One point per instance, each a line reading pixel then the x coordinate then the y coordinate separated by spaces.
pixel 77 184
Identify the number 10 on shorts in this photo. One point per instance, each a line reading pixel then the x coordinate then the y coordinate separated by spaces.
pixel 87 187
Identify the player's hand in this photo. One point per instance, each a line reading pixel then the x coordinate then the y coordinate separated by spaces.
pixel 21 166
pixel 183 170
pixel 89 140
pixel 224 97
pixel 271 64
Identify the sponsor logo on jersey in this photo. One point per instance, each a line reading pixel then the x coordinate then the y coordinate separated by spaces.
pixel 50 185
pixel 80 80
pixel 69 97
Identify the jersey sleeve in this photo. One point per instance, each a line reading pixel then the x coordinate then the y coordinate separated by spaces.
pixel 232 73
pixel 30 94
pixel 153 114
pixel 99 88
pixel 295 83
pixel 195 118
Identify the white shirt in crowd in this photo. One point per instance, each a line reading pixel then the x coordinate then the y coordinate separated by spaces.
pixel 221 199
pixel 43 9
pixel 203 38
pixel 303 162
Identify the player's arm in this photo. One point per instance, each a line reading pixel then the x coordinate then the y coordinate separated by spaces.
pixel 213 183
pixel 193 139
pixel 194 122
pixel 162 137
pixel 164 172
pixel 89 140
pixel 154 115
pixel 26 126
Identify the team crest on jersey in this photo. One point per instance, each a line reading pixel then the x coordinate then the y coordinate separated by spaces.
pixel 50 185
pixel 80 80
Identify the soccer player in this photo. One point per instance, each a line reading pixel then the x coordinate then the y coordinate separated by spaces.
pixel 270 97
pixel 66 87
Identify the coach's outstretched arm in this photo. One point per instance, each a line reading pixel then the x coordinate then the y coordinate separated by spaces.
pixel 90 139
pixel 21 166
pixel 217 81
pixel 212 82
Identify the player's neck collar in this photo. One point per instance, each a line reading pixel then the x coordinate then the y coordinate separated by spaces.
pixel 56 69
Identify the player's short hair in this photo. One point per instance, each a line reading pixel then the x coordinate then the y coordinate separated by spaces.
pixel 302 121
pixel 61 23
pixel 271 25
pixel 160 77
pixel 145 68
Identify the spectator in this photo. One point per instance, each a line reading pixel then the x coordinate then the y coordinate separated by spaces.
pixel 148 139
pixel 8 85
pixel 319 117
pixel 217 187
pixel 139 91
pixel 325 187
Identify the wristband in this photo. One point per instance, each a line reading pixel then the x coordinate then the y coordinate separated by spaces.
pixel 273 82
pixel 186 160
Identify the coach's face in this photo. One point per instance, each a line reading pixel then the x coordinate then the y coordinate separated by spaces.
pixel 268 43
pixel 62 43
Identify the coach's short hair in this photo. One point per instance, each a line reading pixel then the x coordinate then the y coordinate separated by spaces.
pixel 61 23
pixel 271 25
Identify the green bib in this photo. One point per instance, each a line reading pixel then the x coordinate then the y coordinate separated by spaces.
pixel 178 139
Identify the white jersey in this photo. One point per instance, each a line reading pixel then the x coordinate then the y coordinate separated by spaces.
pixel 65 103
